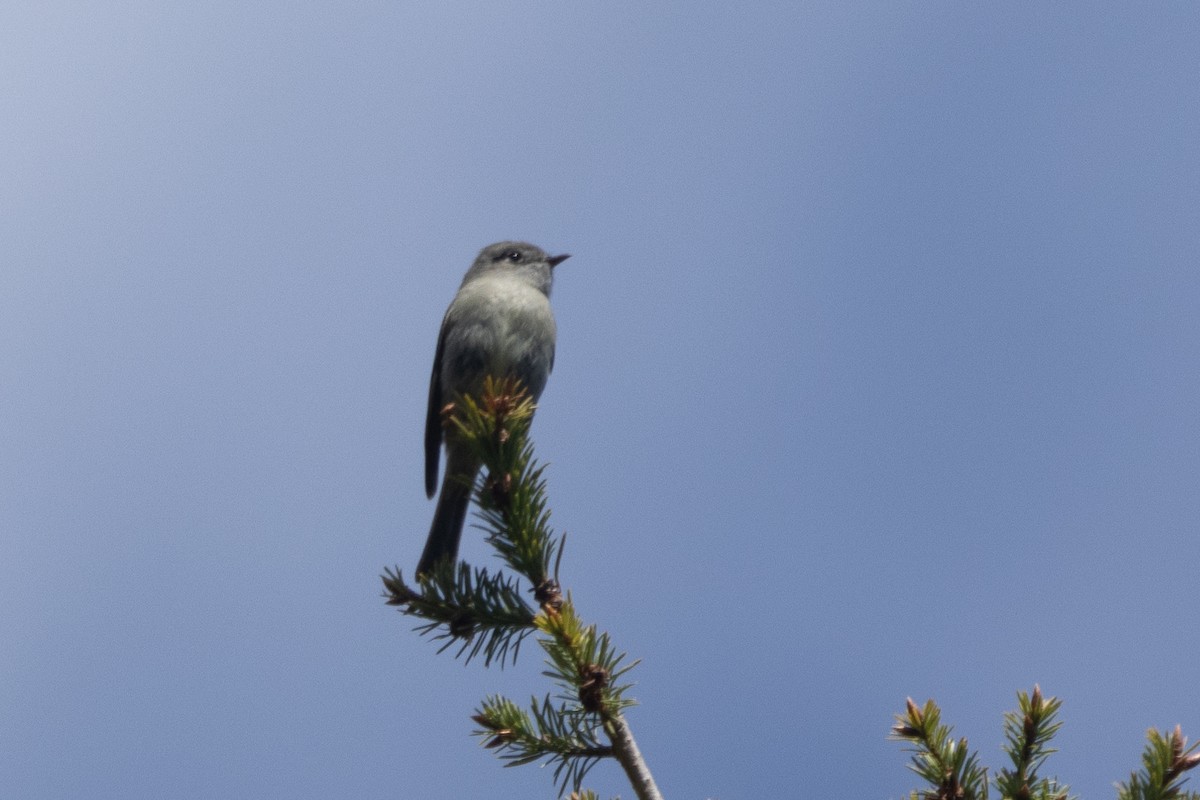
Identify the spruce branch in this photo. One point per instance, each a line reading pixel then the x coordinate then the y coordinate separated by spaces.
pixel 488 614
pixel 557 735
pixel 1027 733
pixel 1165 762
pixel 481 613
pixel 511 495
pixel 949 767
pixel 582 662
pixel 951 773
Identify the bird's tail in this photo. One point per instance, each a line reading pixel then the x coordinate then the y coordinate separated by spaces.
pixel 448 519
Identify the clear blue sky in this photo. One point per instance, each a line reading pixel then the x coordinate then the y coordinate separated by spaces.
pixel 877 376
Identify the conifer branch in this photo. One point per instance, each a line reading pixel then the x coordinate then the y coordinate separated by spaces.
pixel 1165 761
pixel 482 613
pixel 952 772
pixel 949 767
pixel 489 614
pixel 1027 732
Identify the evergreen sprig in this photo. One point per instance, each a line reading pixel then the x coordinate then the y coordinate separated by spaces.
pixel 583 663
pixel 482 613
pixel 1165 762
pixel 512 495
pixel 489 614
pixel 948 766
pixel 953 772
pixel 560 735
pixel 1027 732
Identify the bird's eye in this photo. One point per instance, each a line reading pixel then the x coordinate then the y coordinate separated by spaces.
pixel 513 256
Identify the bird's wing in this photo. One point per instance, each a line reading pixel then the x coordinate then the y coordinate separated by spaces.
pixel 433 415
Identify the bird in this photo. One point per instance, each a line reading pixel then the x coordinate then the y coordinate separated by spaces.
pixel 499 324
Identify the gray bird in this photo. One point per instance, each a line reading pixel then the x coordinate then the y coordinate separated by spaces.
pixel 498 324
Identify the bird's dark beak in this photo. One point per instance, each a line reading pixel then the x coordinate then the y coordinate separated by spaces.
pixel 556 260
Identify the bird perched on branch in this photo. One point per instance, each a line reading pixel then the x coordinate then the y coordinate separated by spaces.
pixel 499 324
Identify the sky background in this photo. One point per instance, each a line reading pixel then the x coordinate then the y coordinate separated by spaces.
pixel 877 377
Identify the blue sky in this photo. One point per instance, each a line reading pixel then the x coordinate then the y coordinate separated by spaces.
pixel 877 377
